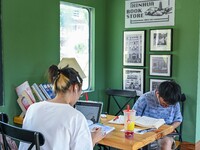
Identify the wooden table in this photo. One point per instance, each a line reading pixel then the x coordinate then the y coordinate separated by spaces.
pixel 117 140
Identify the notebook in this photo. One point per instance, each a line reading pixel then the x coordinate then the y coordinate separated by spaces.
pixel 92 112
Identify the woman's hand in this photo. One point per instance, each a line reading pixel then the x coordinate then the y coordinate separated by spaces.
pixel 97 135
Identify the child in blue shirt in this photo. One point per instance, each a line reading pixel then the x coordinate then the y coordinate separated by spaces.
pixel 162 103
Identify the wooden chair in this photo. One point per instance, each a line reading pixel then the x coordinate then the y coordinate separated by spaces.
pixel 120 95
pixel 19 134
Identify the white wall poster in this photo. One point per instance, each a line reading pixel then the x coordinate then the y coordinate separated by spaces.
pixel 149 13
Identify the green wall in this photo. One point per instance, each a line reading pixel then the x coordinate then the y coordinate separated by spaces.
pixel 185 55
pixel 198 92
pixel 31 45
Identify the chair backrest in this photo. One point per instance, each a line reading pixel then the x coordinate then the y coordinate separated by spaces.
pixel 180 128
pixel 120 95
pixel 27 136
pixel 4 117
pixel 182 102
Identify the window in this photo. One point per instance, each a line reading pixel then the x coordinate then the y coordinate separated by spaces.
pixel 75 37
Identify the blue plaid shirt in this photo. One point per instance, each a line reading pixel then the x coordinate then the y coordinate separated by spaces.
pixel 148 105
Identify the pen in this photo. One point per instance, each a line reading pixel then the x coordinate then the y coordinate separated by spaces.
pixel 146 130
pixel 117 117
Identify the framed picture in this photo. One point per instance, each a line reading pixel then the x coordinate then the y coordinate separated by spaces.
pixel 133 53
pixel 154 83
pixel 160 65
pixel 133 80
pixel 161 40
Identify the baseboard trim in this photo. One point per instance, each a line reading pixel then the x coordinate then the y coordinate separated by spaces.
pixel 197 145
pixel 190 146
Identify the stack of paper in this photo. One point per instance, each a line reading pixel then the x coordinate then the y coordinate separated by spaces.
pixel 118 120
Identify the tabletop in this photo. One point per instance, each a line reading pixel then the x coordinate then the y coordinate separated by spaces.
pixel 117 139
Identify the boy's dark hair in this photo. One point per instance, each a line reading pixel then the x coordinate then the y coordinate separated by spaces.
pixel 170 91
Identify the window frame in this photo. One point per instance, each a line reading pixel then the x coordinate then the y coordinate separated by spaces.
pixel 90 44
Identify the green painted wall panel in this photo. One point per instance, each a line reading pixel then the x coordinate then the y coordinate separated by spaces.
pixel 198 90
pixel 31 45
pixel 185 58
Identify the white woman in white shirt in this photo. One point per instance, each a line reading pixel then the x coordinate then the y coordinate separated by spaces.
pixel 63 127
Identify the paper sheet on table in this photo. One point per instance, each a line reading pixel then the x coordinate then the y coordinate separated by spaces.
pixel 119 120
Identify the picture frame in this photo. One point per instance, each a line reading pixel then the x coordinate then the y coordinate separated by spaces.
pixel 161 40
pixel 133 48
pixel 154 83
pixel 160 65
pixel 133 80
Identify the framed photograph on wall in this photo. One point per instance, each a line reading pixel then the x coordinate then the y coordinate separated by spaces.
pixel 161 40
pixel 133 80
pixel 154 83
pixel 160 65
pixel 133 53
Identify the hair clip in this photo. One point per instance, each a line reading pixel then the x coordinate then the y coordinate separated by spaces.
pixel 78 79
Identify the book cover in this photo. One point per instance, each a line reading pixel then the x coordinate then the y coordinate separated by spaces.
pixel 49 89
pixel 25 87
pixel 42 96
pixel 36 93
pixel 24 101
pixel 44 91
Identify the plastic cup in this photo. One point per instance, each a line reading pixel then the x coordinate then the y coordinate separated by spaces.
pixel 129 123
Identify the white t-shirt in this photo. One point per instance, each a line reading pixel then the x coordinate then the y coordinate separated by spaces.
pixel 63 127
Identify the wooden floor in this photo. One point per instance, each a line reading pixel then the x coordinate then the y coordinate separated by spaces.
pixel 187 146
pixel 184 146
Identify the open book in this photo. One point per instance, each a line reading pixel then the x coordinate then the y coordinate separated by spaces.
pixel 149 122
pixel 142 121
pixel 107 129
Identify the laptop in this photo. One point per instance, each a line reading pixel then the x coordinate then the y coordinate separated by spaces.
pixel 90 109
pixel 92 112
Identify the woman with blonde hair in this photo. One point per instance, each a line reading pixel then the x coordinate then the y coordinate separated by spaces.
pixel 63 127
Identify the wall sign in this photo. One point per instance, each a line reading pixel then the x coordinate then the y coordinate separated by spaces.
pixel 149 13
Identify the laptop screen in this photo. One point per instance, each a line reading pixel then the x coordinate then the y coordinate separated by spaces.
pixel 90 109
